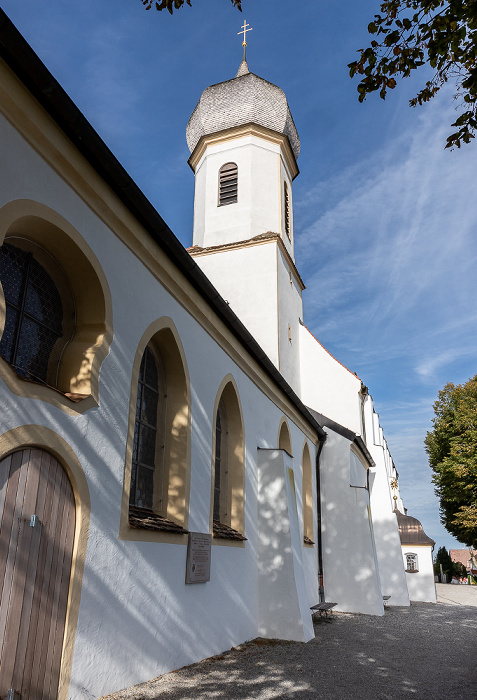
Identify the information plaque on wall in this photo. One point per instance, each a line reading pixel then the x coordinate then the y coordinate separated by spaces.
pixel 199 549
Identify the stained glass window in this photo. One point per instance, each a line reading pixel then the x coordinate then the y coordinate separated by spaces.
pixel 34 313
pixel 145 434
pixel 220 466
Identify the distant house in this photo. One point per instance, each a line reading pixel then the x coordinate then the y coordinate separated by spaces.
pixel 462 556
pixel 417 550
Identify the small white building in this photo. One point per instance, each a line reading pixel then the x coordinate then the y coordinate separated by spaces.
pixel 417 550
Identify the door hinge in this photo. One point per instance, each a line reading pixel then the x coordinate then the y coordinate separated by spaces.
pixel 12 694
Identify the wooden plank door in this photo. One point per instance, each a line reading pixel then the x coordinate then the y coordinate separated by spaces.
pixel 35 568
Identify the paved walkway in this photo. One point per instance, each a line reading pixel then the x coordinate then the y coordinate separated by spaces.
pixel 427 651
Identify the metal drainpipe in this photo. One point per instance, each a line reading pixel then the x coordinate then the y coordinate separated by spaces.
pixel 321 586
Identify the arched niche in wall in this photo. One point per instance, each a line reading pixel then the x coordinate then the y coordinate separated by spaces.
pixel 307 495
pixel 155 504
pixel 358 469
pixel 228 466
pixel 284 437
pixel 44 251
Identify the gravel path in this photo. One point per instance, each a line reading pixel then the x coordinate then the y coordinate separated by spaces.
pixel 426 651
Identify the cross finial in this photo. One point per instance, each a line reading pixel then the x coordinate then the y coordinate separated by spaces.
pixel 244 31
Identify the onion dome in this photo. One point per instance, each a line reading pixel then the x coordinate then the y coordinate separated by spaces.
pixel 411 530
pixel 245 99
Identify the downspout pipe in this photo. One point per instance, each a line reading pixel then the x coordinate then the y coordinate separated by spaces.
pixel 321 584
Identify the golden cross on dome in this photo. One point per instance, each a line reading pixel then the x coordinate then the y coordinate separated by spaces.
pixel 244 31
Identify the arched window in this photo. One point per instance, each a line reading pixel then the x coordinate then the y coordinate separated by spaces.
pixel 284 439
pixel 220 465
pixel 307 496
pixel 148 448
pixel 57 325
pixel 286 197
pixel 412 564
pixel 156 487
pixel 228 184
pixel 228 468
pixel 36 315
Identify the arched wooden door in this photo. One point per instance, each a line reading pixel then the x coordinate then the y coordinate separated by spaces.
pixel 37 516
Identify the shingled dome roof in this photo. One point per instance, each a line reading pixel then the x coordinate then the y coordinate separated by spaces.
pixel 245 99
pixel 411 530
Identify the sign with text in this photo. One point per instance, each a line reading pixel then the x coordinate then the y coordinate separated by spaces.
pixel 199 549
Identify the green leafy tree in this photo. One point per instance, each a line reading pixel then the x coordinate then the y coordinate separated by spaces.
pixel 452 450
pixel 409 34
pixel 443 557
pixel 171 5
pixel 459 569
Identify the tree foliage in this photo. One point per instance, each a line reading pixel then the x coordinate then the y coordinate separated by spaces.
pixel 452 450
pixel 443 557
pixel 412 33
pixel 171 5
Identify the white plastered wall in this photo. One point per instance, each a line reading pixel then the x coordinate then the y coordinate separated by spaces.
pixel 247 279
pixel 326 385
pixel 283 604
pixel 421 584
pixel 351 573
pixel 290 312
pixel 136 613
pixel 259 202
pixel 386 531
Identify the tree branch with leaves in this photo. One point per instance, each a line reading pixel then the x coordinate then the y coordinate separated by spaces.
pixel 171 5
pixel 409 34
pixel 452 450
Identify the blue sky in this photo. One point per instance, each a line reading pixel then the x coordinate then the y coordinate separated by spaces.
pixel 385 218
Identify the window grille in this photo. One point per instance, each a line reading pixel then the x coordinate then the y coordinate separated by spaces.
pixel 220 467
pixel 287 210
pixel 218 446
pixel 411 563
pixel 145 431
pixel 228 184
pixel 34 313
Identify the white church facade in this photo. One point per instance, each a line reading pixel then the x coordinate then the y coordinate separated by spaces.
pixel 183 466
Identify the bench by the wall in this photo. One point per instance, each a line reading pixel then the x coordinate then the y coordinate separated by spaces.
pixel 324 610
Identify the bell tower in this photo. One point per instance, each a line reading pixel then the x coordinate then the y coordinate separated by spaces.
pixel 244 147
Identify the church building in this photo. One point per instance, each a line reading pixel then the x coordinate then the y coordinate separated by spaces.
pixel 183 466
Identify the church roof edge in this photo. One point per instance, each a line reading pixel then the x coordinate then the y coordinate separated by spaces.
pixel 332 356
pixel 31 71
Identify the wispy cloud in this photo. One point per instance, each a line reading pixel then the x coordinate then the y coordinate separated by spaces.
pixel 388 251
pixel 395 241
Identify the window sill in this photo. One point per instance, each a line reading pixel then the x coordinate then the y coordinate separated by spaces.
pixel 142 519
pixel 224 532
pixel 27 388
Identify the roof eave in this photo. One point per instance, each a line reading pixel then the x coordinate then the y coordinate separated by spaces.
pixel 24 62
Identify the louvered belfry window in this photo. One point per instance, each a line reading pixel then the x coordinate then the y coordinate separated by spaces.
pixel 228 184
pixel 287 210
pixel 34 314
